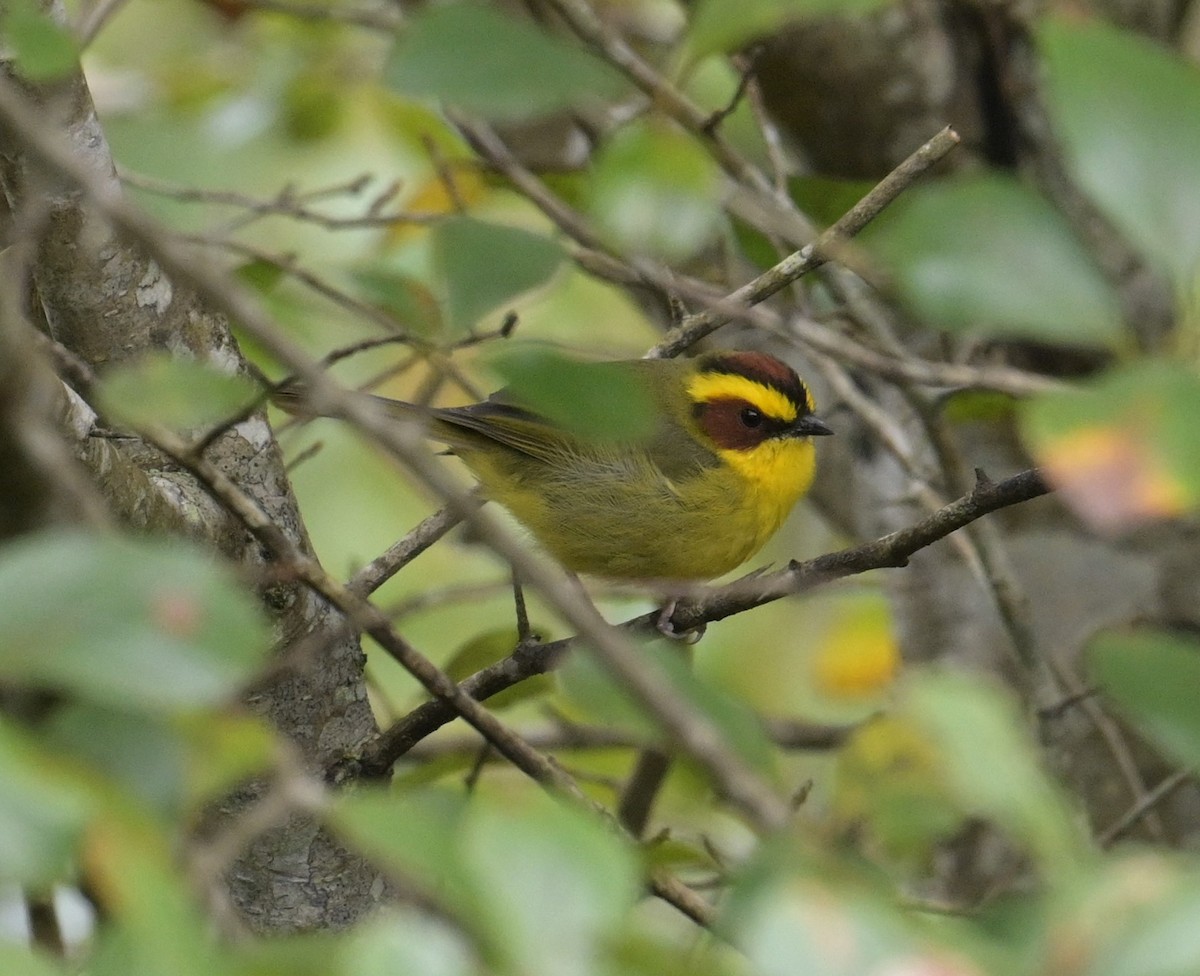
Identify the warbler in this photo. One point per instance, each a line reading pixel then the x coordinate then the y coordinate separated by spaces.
pixel 726 455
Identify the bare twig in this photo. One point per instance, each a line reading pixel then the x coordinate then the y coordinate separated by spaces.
pixel 398 555
pixel 1145 804
pixel 813 255
pixel 289 203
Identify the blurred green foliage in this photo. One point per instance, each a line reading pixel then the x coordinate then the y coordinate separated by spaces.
pixel 146 645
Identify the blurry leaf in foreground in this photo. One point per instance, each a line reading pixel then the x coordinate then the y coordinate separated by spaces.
pixel 1126 110
pixel 20 960
pixel 175 392
pixel 554 882
pixel 43 812
pixel 1123 450
pixel 140 753
pixel 988 255
pixel 787 921
pixel 602 699
pixel 992 767
pixel 480 59
pixel 146 899
pixel 1154 678
pixel 545 884
pixel 858 656
pixel 403 940
pixel 1131 916
pixel 890 784
pixel 482 265
pixel 415 835
pixel 595 401
pixel 223 750
pixel 131 623
pixel 655 191
pixel 40 48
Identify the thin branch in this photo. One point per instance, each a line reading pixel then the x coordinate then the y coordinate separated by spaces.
pixel 890 551
pixel 1000 379
pixel 1145 804
pixel 399 554
pixel 813 255
pixel 289 203
pixel 568 737
pixel 666 97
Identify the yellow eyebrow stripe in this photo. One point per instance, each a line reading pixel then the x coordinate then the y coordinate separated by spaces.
pixel 706 387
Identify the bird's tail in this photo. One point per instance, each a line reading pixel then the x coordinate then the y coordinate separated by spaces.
pixel 296 399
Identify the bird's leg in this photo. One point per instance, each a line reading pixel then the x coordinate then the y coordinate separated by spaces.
pixel 525 635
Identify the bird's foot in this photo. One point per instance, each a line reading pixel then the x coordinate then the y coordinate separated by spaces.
pixel 666 627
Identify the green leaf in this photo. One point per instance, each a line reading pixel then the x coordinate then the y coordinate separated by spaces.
pixel 654 191
pixel 890 785
pixel 1122 450
pixel 719 25
pixel 40 47
pixel 175 392
pixel 136 624
pixel 261 274
pixel 541 861
pixel 19 960
pixel 318 953
pixel 223 750
pixel 1154 678
pixel 826 199
pixel 779 913
pixel 408 299
pixel 506 866
pixel 406 941
pixel 314 104
pixel 477 58
pixel 1126 110
pixel 596 401
pixel 43 811
pixel 988 255
pixel 1134 915
pixel 601 697
pixel 992 767
pixel 482 265
pixel 484 650
pixel 416 835
pixel 139 752
pixel 164 761
pixel 153 925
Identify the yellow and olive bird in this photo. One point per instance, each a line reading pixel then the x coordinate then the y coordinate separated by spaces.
pixel 727 454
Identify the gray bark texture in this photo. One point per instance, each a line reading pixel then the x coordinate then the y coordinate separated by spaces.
pixel 103 302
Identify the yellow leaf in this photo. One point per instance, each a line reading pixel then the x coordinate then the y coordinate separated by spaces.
pixel 859 656
pixel 1111 478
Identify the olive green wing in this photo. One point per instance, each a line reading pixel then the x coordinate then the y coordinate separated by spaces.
pixel 521 431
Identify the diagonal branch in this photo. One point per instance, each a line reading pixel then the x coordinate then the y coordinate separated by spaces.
pixel 890 551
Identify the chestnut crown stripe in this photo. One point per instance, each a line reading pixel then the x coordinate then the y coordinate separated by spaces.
pixel 770 372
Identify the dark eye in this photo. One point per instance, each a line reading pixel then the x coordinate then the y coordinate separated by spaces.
pixel 751 417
